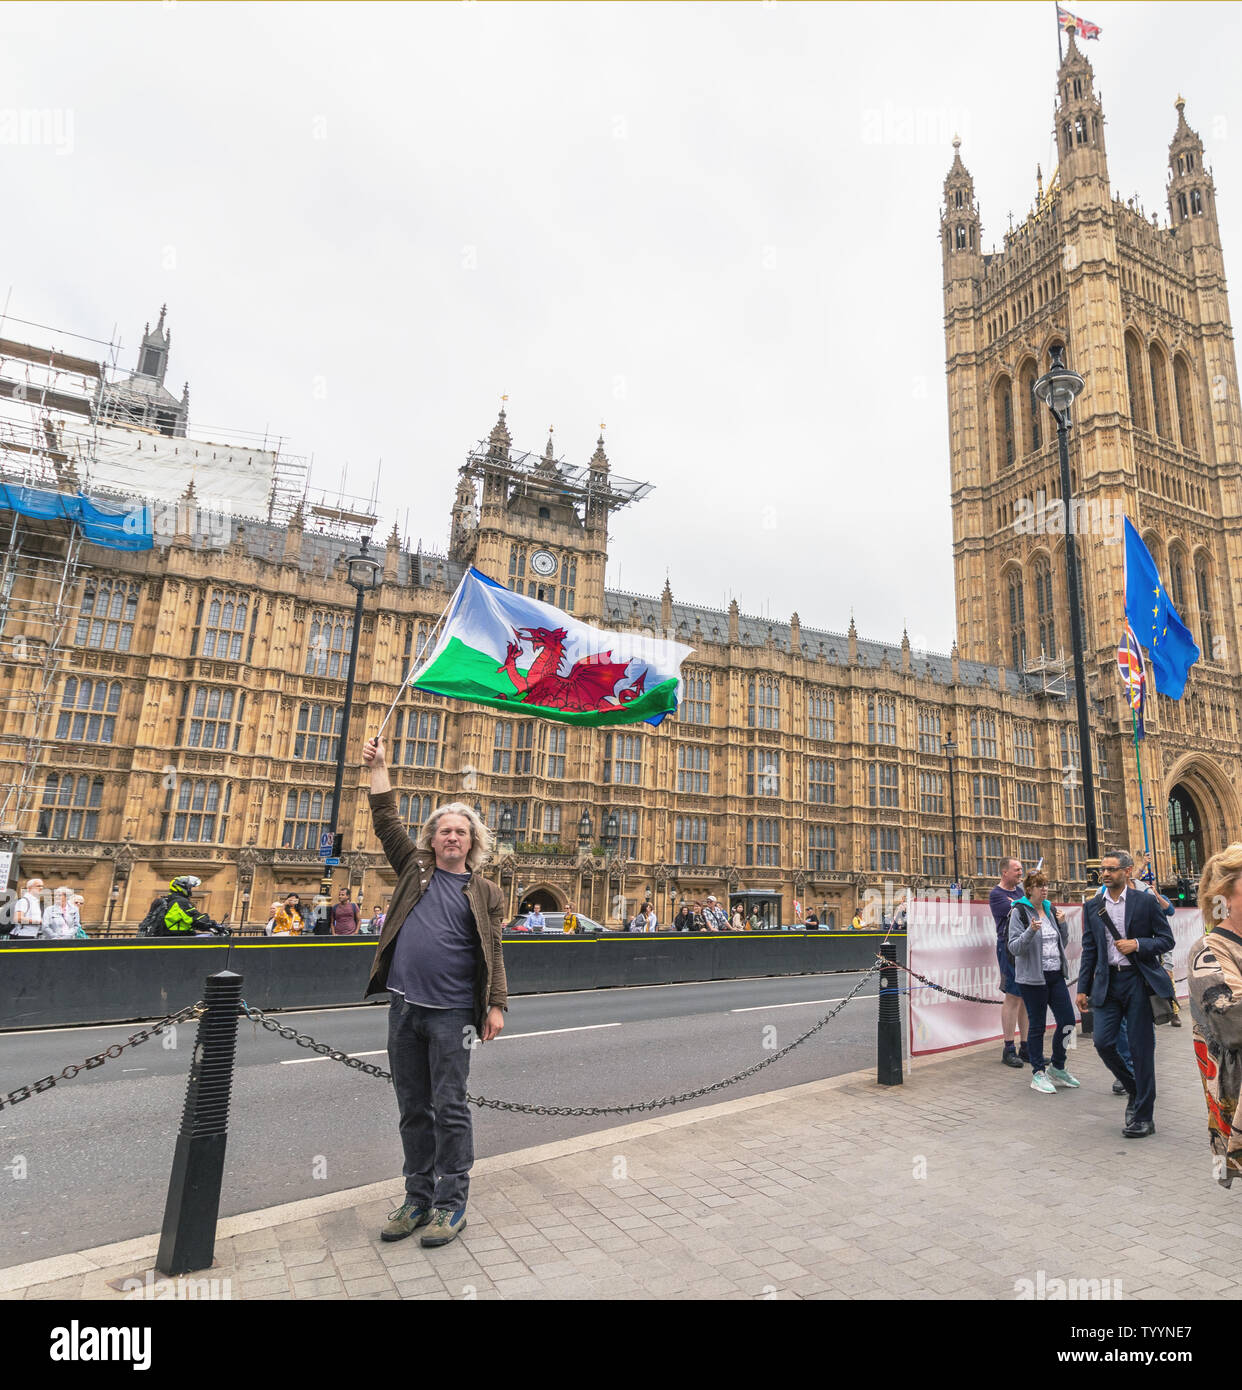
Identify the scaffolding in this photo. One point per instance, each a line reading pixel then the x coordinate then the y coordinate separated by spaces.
pixel 1047 677
pixel 580 485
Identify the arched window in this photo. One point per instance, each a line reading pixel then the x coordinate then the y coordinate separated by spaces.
pixel 1185 407
pixel 1029 406
pixel 1203 592
pixel 1045 623
pixel 1160 392
pixel 1134 381
pixel 1196 203
pixel 1017 620
pixel 1003 397
pixel 961 239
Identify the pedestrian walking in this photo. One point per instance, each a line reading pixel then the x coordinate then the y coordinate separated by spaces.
pixel 1215 976
pixel 1124 933
pixel 345 915
pixel 441 960
pixel 1013 1011
pixel 28 911
pixel 1037 935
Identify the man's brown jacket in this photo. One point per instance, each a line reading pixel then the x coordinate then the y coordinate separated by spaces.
pixel 414 868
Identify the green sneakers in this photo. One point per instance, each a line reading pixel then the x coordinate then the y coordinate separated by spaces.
pixel 1040 1082
pixel 406 1219
pixel 446 1225
pixel 1062 1077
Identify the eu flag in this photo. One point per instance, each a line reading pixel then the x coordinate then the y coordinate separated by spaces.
pixel 1155 621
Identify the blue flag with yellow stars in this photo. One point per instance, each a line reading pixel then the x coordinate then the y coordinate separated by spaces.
pixel 1155 621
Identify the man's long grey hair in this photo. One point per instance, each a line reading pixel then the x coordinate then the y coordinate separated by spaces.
pixel 481 841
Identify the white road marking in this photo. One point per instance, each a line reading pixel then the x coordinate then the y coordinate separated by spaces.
pixel 133 1068
pixel 547 1032
pixel 298 1061
pixel 799 1004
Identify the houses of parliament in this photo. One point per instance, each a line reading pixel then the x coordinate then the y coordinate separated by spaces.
pixel 175 709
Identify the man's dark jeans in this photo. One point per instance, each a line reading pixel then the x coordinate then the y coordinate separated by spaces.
pixel 1127 1001
pixel 429 1055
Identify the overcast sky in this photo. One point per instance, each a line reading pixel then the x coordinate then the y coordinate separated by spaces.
pixel 714 227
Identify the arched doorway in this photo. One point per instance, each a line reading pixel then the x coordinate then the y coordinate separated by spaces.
pixel 545 899
pixel 1185 832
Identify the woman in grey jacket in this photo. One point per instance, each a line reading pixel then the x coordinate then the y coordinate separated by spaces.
pixel 1037 937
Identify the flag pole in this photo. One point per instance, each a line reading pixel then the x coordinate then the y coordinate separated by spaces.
pixel 1060 50
pixel 418 661
pixel 1138 763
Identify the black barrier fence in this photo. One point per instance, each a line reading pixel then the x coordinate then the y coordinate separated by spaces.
pixel 61 983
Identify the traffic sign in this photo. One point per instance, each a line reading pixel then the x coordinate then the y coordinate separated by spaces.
pixel 325 843
pixel 331 863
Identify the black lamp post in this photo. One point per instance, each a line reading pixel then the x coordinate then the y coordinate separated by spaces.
pixel 611 839
pixel 363 576
pixel 1151 821
pixel 506 830
pixel 585 831
pixel 950 751
pixel 1058 388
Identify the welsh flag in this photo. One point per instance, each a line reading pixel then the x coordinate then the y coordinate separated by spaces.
pixel 1085 28
pixel 511 652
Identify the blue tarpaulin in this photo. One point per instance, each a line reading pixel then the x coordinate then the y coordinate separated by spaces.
pixel 102 523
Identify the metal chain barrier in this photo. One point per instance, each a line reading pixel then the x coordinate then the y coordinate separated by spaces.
pixel 69 1072
pixel 942 989
pixel 519 1107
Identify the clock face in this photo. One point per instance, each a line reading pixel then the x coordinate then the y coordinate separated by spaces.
pixel 543 562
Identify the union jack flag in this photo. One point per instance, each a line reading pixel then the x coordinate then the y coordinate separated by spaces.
pixel 1133 673
pixel 1085 28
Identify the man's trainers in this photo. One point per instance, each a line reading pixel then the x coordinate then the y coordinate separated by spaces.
pixel 1011 1058
pixel 445 1226
pixel 408 1217
pixel 1061 1077
pixel 1040 1082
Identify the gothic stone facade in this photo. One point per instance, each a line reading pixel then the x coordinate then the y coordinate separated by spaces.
pixel 1142 312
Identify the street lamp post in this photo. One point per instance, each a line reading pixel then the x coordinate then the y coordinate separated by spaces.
pixel 611 838
pixel 1151 820
pixel 1058 388
pixel 363 574
pixel 950 750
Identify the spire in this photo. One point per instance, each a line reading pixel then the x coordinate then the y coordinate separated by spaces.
pixel 960 228
pixel 734 623
pixel 499 441
pixel 666 606
pixel 853 636
pixel 795 634
pixel 1079 121
pixel 599 459
pixel 297 522
pixel 1191 191
pixel 905 651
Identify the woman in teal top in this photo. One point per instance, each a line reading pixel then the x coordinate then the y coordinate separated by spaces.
pixel 1037 938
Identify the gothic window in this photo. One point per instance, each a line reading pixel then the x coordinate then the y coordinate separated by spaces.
pixel 1177 580
pixel 1203 590
pixel 70 807
pixel 1185 409
pixel 1134 381
pixel 1023 745
pixel 885 850
pixel 416 738
pixel 763 703
pixel 987 797
pixel 553 741
pixel 961 239
pixel 696 702
pixel 1182 210
pixel 623 759
pixel 414 810
pixel 318 733
pixel 929 730
pixel 1196 203
pixel 690 840
pixel 211 718
pixel 1004 422
pixel 307 815
pixel 1028 801
pixel 982 736
pixel 763 772
pixel 958 201
pixel 763 843
pixel 1159 392
pixel 933 856
pixel 1080 130
pixel 693 768
pixel 821 781
pixel 881 719
pixel 327 651
pixel 106 618
pixel 200 808
pixel 821 844
pixel 821 715
pixel 1017 620
pixel 88 711
pixel 883 788
pixel 1030 407
pixel 226 626
pixel 931 793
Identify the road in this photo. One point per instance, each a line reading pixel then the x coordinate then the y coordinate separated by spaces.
pixel 87 1162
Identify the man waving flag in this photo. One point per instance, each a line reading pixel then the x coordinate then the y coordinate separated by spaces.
pixel 1156 623
pixel 511 652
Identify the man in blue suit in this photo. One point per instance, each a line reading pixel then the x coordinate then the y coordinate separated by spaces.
pixel 1115 979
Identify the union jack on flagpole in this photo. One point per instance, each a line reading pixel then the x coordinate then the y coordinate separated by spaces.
pixel 1133 672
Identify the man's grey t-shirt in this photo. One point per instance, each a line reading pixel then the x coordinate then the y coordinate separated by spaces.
pixel 437 952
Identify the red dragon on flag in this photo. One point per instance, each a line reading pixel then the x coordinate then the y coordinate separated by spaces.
pixel 589 684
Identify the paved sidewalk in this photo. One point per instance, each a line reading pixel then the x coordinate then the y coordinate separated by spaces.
pixel 959 1184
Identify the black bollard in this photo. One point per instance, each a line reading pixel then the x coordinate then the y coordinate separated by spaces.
pixel 188 1236
pixel 888 1029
